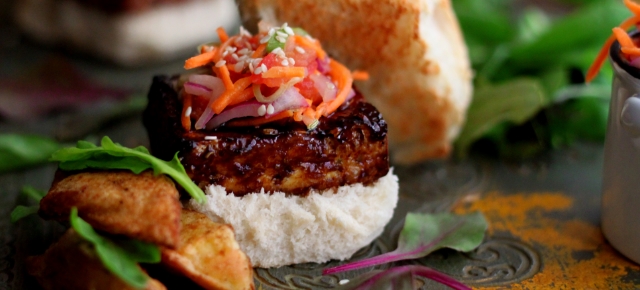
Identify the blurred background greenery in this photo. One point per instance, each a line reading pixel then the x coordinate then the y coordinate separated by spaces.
pixel 530 59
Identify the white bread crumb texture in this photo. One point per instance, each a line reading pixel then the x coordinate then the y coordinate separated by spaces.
pixel 276 230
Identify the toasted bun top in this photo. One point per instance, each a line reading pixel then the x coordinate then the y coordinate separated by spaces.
pixel 413 51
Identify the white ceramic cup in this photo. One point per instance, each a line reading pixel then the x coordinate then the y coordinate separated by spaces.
pixel 621 170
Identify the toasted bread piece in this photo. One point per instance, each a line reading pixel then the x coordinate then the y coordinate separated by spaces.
pixel 140 206
pixel 71 264
pixel 209 255
pixel 420 75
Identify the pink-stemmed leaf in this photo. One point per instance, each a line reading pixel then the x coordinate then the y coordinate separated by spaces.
pixel 399 278
pixel 425 233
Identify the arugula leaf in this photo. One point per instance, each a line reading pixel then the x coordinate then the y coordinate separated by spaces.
pixel 425 233
pixel 114 156
pixel 515 101
pixel 33 193
pixel 120 261
pixel 22 211
pixel 22 151
pixel 399 278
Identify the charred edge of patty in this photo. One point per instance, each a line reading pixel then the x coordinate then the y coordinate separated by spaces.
pixel 348 147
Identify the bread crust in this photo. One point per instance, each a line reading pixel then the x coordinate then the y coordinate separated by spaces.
pixel 413 51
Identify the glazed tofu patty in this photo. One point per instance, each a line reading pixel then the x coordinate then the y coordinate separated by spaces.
pixel 348 147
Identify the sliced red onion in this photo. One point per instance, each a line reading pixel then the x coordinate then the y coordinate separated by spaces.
pixel 351 94
pixel 325 87
pixel 323 65
pixel 246 109
pixel 635 61
pixel 290 99
pixel 217 88
pixel 207 81
pixel 197 89
pixel 275 96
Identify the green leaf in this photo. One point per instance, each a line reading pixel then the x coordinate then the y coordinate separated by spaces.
pixel 300 31
pixel 33 193
pixel 515 101
pixel 273 42
pixel 22 211
pixel 589 24
pixel 424 233
pixel 114 156
pixel 120 261
pixel 23 151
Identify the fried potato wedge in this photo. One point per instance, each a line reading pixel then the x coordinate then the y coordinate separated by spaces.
pixel 71 264
pixel 140 206
pixel 209 255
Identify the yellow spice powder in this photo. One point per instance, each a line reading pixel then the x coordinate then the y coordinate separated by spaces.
pixel 527 216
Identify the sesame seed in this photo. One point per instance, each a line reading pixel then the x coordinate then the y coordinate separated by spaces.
pixel 262 110
pixel 285 25
pixel 300 49
pixel 257 59
pixel 221 63
pixel 251 66
pixel 270 109
pixel 243 51
pixel 232 48
pixel 277 50
pixel 271 32
pixel 258 70
pixel 244 32
pixel 292 61
pixel 284 62
pixel 225 53
pixel 243 58
pixel 281 39
pixel 210 138
pixel 263 67
pixel 265 39
pixel 235 56
pixel 187 112
pixel 208 48
pixel 343 281
pixel 283 34
pixel 288 30
pixel 239 67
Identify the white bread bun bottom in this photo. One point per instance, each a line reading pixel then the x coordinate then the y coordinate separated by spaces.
pixel 276 230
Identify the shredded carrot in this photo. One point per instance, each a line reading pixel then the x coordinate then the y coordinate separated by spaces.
pixel 302 40
pixel 297 115
pixel 260 120
pixel 342 76
pixel 223 47
pixel 284 72
pixel 360 75
pixel 633 6
pixel 320 110
pixel 604 51
pixel 186 107
pixel 200 60
pixel 635 51
pixel 222 34
pixel 623 37
pixel 246 95
pixel 223 73
pixel 259 51
pixel 229 95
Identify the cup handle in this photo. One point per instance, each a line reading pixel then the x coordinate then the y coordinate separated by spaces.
pixel 630 116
